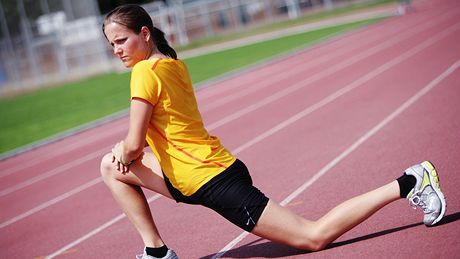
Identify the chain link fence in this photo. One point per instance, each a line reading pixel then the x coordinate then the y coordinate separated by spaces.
pixel 46 42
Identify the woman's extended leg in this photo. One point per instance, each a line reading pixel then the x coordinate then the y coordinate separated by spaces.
pixel 126 190
pixel 281 225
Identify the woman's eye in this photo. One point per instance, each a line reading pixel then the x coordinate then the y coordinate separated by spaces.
pixel 120 41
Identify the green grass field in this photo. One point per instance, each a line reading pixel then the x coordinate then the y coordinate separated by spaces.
pixel 44 113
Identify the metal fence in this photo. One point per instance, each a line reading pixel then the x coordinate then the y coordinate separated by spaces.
pixel 46 42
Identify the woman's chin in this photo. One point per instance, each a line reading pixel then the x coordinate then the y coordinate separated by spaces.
pixel 128 63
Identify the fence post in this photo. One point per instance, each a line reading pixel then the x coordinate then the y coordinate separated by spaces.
pixel 28 39
pixel 268 10
pixel 179 22
pixel 9 46
pixel 206 18
pixel 293 8
pixel 328 5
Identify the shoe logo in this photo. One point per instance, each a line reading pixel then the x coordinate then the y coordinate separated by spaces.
pixel 426 180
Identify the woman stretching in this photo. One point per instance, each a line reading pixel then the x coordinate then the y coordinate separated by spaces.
pixel 190 166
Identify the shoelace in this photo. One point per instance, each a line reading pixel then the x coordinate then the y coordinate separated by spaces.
pixel 416 200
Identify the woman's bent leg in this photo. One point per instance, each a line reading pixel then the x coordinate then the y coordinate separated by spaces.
pixel 281 225
pixel 127 192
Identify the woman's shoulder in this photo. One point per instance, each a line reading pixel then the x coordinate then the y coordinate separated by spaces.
pixel 157 63
pixel 149 64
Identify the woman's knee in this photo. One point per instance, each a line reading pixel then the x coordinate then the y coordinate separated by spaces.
pixel 107 167
pixel 318 241
pixel 317 238
pixel 311 240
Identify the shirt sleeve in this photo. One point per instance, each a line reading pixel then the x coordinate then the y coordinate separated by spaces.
pixel 144 82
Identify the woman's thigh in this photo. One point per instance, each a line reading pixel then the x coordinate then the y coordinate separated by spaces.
pixel 145 172
pixel 280 224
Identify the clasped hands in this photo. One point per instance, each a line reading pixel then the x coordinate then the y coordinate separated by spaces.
pixel 117 152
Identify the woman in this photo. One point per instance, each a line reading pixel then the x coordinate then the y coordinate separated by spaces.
pixel 190 166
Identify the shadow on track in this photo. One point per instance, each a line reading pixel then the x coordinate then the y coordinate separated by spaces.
pixel 274 250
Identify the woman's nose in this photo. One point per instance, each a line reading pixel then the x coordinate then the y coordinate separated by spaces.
pixel 117 49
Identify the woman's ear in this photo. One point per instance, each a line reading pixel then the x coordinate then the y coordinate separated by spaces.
pixel 145 32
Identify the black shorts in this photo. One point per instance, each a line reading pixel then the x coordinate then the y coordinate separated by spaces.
pixel 231 194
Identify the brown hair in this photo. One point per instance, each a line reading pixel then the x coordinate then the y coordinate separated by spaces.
pixel 134 17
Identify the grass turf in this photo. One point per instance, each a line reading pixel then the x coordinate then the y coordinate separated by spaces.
pixel 47 112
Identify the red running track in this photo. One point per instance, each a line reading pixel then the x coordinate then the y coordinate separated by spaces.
pixel 315 128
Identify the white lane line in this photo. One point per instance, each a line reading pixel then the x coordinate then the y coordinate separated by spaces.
pixel 301 63
pixel 353 147
pixel 63 168
pixel 277 78
pixel 321 75
pixel 360 81
pixel 63 149
pixel 334 45
pixel 296 66
pixel 51 202
pixel 373 131
pixel 95 231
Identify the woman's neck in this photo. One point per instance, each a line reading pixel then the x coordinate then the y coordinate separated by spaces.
pixel 155 53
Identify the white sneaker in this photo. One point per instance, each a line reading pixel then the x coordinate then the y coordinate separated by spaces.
pixel 427 193
pixel 169 255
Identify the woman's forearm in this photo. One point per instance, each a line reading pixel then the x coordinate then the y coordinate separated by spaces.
pixel 131 150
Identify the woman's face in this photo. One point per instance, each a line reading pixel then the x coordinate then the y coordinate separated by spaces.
pixel 127 45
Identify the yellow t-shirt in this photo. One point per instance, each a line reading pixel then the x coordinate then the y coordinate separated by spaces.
pixel 188 155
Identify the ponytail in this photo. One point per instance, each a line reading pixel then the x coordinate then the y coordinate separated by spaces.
pixel 162 44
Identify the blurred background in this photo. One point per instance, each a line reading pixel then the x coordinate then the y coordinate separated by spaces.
pixel 58 75
pixel 46 42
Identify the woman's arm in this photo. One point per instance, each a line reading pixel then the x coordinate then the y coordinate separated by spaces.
pixel 133 145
